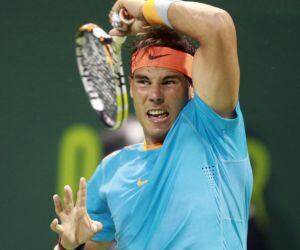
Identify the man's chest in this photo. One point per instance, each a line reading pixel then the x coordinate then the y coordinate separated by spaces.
pixel 173 181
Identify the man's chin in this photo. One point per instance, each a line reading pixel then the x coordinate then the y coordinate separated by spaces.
pixel 157 136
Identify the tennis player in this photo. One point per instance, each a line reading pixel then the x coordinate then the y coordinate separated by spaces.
pixel 188 186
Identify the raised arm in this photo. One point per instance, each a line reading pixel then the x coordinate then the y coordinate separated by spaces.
pixel 216 74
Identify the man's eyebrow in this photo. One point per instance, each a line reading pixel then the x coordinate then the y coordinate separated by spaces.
pixel 171 77
pixel 144 77
pixel 136 76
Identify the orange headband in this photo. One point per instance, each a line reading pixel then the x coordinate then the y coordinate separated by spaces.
pixel 163 57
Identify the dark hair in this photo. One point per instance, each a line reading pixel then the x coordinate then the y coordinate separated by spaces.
pixel 164 37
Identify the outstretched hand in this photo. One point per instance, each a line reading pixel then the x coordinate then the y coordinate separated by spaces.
pixel 76 227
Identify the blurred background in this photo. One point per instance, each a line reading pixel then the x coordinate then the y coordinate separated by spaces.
pixel 48 128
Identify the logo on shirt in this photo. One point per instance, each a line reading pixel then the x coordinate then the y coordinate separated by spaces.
pixel 141 183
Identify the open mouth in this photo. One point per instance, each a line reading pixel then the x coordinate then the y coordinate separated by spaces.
pixel 157 113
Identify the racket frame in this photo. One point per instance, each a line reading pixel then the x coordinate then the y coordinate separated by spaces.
pixel 112 47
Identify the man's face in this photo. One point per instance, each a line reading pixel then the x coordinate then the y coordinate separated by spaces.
pixel 158 95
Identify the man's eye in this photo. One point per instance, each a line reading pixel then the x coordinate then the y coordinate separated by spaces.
pixel 168 82
pixel 143 82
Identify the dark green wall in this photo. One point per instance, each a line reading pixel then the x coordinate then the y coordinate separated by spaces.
pixel 41 97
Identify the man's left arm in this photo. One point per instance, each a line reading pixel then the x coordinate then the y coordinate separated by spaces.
pixel 216 73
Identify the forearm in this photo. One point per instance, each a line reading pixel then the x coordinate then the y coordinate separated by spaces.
pixel 201 22
pixel 215 65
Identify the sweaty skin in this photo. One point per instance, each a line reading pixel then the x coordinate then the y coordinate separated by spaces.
pixel 158 95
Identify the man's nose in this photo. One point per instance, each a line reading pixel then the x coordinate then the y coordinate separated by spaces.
pixel 156 95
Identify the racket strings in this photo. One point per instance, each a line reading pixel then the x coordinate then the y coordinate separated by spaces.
pixel 100 66
pixel 100 83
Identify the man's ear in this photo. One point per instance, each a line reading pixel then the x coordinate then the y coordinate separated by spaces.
pixel 191 91
pixel 130 85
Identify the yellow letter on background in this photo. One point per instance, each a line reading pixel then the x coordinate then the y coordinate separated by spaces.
pixel 260 161
pixel 80 151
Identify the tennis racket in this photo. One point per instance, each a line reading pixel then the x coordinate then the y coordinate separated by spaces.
pixel 99 62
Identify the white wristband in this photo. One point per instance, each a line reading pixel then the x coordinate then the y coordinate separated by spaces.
pixel 162 7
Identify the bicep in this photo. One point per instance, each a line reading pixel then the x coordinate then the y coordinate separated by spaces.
pixel 216 74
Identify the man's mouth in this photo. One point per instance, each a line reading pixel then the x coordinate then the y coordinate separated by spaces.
pixel 157 114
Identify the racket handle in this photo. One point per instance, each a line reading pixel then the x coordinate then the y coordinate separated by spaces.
pixel 119 39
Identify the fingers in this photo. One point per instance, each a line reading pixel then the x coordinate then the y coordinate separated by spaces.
pixel 135 28
pixel 57 228
pixel 68 199
pixel 96 226
pixel 57 204
pixel 81 194
pixel 126 17
pixel 120 18
pixel 119 22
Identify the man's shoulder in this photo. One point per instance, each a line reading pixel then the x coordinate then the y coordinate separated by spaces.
pixel 127 151
pixel 113 161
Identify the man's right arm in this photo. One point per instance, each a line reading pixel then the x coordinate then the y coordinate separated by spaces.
pixel 216 73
